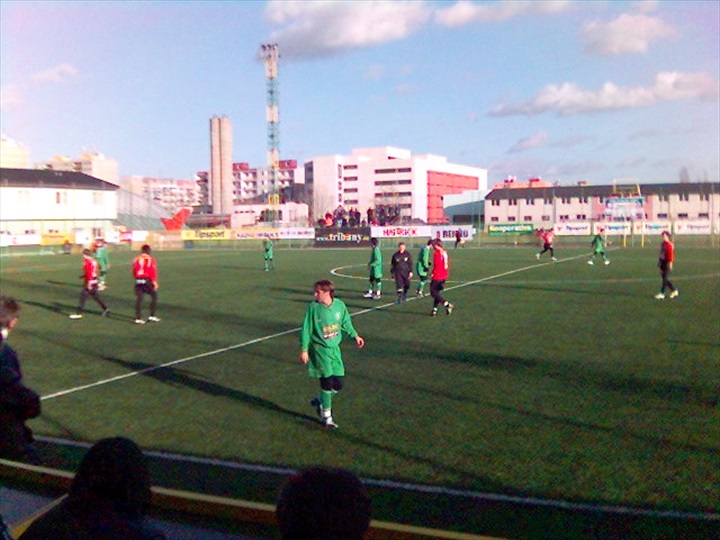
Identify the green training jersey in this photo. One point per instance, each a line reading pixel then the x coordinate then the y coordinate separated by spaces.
pixel 321 335
pixel 597 243
pixel 268 246
pixel 423 262
pixel 375 263
pixel 102 257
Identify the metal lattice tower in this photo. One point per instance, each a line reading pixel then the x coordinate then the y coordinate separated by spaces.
pixel 269 54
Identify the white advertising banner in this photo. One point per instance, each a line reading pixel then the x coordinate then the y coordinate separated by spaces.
pixel 411 231
pixel 693 227
pixel 572 229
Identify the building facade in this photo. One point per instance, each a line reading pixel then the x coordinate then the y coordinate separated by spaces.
pixel 91 163
pixel 413 186
pixel 169 193
pixel 49 202
pixel 13 155
pixel 220 179
pixel 545 205
pixel 253 183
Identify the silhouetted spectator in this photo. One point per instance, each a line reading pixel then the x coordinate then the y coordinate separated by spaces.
pixel 324 504
pixel 108 500
pixel 18 403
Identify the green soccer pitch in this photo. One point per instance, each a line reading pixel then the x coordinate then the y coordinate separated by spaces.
pixel 550 381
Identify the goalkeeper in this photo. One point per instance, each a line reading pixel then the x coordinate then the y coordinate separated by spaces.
pixel 598 245
pixel 325 320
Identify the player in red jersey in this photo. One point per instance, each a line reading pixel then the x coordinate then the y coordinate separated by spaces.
pixel 665 263
pixel 548 238
pixel 144 269
pixel 91 273
pixel 440 273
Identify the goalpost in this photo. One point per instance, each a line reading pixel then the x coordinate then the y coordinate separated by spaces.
pixel 626 204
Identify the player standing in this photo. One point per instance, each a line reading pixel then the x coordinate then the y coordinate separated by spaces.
pixel 401 269
pixel 548 238
pixel 422 266
pixel 665 263
pixel 268 253
pixel 144 268
pixel 375 266
pixel 325 320
pixel 103 259
pixel 440 273
pixel 598 245
pixel 91 271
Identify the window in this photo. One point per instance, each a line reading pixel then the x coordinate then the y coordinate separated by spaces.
pixel 682 215
pixel 385 171
pixel 393 182
pixel 581 217
pixel 351 202
pixel 546 218
pixel 61 197
pixel 350 178
pixel 495 202
pixel 495 219
pixel 663 197
pixel 662 215
pixel 512 202
pixel 705 197
pixel 350 190
pixel 601 199
pixel 511 218
pixel 565 200
pixel 527 218
pixel 405 169
pixel 704 215
pixel 564 218
pixel 684 197
pixel 548 201
pixel 348 167
pixel 530 202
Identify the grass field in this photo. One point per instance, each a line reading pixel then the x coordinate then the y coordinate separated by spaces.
pixel 557 381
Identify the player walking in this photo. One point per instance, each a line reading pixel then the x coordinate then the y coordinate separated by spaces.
pixel 422 266
pixel 103 259
pixel 548 238
pixel 268 253
pixel 375 266
pixel 440 273
pixel 325 320
pixel 144 268
pixel 665 263
pixel 598 245
pixel 401 269
pixel 90 276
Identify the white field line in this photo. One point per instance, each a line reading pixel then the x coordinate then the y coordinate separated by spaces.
pixel 420 488
pixel 272 336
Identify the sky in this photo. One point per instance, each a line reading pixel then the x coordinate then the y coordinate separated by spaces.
pixel 568 91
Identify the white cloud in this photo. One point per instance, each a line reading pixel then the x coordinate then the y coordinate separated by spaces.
pixel 10 98
pixel 57 74
pixel 568 98
pixel 535 140
pixel 626 34
pixel 467 12
pixel 319 28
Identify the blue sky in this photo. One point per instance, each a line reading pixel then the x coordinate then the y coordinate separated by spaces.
pixel 564 90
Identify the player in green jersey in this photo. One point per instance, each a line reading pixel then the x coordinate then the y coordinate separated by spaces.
pixel 598 245
pixel 325 320
pixel 103 258
pixel 375 266
pixel 422 266
pixel 268 254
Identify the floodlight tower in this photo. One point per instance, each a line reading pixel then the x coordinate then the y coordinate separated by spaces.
pixel 269 54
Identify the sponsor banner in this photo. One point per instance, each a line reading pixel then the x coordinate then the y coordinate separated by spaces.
pixel 285 233
pixel 20 240
pixel 625 207
pixel 619 227
pixel 500 229
pixel 343 237
pixel 401 231
pixel 54 239
pixel 572 229
pixel 446 233
pixel 655 227
pixel 693 227
pixel 206 234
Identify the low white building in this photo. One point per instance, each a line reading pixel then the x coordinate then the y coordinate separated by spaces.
pixel 55 204
pixel 93 164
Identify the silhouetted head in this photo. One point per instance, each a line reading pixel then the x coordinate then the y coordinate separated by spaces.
pixel 113 474
pixel 145 249
pixel 324 504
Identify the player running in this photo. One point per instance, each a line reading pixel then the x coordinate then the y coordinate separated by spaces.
pixel 375 266
pixel 548 238
pixel 440 273
pixel 103 259
pixel 90 275
pixel 144 270
pixel 598 245
pixel 325 320
pixel 422 266
pixel 401 269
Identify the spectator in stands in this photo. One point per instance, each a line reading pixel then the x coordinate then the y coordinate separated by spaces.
pixel 324 504
pixel 108 499
pixel 18 403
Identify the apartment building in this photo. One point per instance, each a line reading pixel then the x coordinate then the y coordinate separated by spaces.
pixel 93 164
pixel 168 193
pixel 389 177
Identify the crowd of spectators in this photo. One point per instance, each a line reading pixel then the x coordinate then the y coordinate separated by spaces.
pixel 380 215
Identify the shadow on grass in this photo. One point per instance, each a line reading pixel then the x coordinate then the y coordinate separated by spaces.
pixel 176 377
